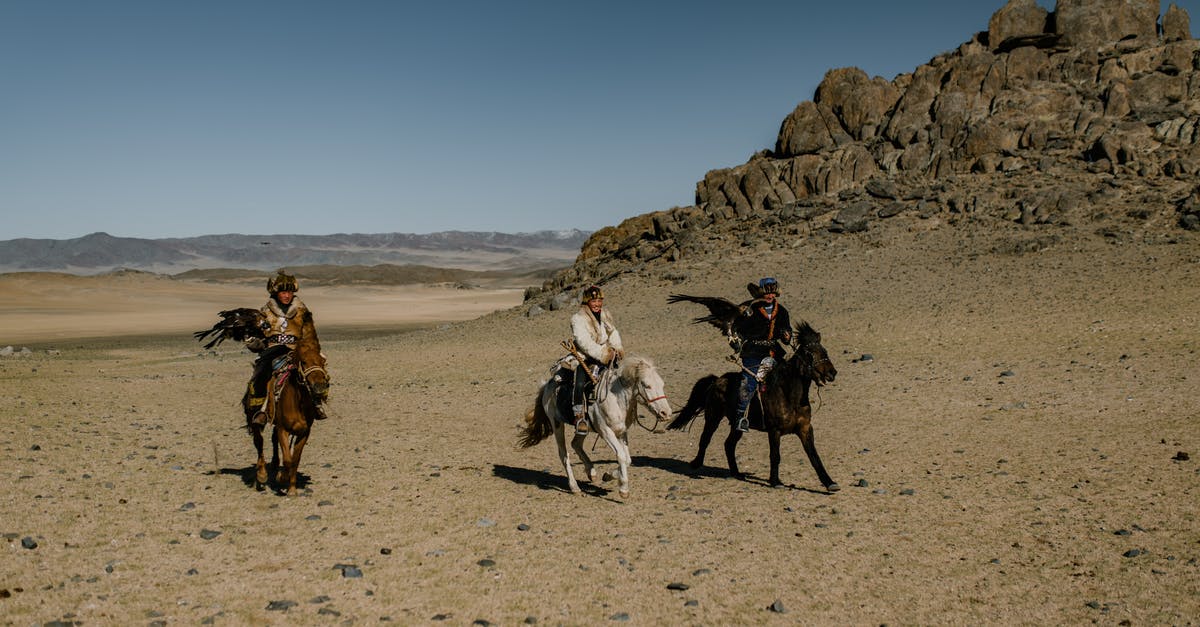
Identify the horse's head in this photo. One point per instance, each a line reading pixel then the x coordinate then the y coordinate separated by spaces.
pixel 812 355
pixel 312 368
pixel 639 374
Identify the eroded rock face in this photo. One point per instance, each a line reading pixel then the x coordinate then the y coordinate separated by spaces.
pixel 1018 19
pixel 1045 119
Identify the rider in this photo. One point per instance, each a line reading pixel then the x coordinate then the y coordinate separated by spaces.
pixel 760 331
pixel 288 323
pixel 598 342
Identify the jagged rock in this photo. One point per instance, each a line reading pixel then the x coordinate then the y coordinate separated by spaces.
pixel 1176 24
pixel 1016 21
pixel 1100 23
pixel 858 101
pixel 1099 110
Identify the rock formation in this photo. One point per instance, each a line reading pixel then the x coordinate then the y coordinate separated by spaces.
pixel 1089 113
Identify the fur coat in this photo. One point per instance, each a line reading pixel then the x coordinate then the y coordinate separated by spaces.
pixel 596 340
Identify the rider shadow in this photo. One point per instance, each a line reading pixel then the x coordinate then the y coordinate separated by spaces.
pixel 543 480
pixel 249 473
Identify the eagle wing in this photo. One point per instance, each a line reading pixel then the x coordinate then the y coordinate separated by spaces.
pixel 237 324
pixel 721 313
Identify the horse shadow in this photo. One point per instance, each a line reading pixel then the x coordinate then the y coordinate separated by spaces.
pixel 544 480
pixel 681 467
pixel 248 474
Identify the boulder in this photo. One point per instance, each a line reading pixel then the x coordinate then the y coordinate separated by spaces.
pixel 1019 20
pixel 1102 23
pixel 1176 24
pixel 859 102
pixel 803 132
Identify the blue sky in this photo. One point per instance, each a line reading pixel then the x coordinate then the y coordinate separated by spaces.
pixel 172 119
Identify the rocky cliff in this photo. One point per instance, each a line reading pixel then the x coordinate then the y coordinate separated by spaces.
pixel 1085 115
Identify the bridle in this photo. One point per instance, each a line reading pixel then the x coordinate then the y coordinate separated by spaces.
pixel 643 396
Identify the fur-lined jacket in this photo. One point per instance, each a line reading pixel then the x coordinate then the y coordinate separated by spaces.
pixel 599 340
pixel 290 326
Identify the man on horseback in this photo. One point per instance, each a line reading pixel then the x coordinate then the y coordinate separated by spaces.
pixel 288 323
pixel 598 345
pixel 759 334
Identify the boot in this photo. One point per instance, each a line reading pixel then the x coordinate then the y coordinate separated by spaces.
pixel 259 419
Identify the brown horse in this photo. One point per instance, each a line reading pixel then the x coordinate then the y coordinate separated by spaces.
pixel 294 391
pixel 782 407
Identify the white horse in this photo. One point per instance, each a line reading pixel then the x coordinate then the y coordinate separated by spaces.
pixel 618 393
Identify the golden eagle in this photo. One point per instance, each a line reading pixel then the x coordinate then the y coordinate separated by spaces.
pixel 237 324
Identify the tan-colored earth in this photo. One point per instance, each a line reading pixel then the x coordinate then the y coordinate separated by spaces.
pixel 1021 449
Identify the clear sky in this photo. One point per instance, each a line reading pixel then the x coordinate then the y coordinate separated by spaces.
pixel 163 118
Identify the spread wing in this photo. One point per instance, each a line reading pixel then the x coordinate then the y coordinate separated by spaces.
pixel 721 313
pixel 236 324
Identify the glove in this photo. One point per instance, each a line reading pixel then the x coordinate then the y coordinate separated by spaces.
pixel 255 344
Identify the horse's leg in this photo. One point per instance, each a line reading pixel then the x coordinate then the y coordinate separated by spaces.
pixel 773 439
pixel 588 467
pixel 810 448
pixel 260 467
pixel 731 443
pixel 622 453
pixel 294 467
pixel 712 420
pixel 560 438
pixel 284 442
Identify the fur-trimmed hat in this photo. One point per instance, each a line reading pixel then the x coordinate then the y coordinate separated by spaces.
pixel 592 292
pixel 282 282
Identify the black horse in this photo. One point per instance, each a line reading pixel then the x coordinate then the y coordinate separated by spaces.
pixel 782 405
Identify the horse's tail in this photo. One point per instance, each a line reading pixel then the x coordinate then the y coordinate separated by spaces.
pixel 538 425
pixel 695 403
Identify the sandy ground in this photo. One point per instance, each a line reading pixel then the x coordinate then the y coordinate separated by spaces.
pixel 1012 454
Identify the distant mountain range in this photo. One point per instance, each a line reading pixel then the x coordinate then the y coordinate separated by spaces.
pixel 100 252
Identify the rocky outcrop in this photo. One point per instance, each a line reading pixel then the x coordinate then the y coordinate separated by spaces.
pixel 1079 115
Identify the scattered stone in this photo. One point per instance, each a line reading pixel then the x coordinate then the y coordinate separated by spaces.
pixel 486 563
pixel 385 551
pixel 439 617
pixel 620 617
pixel 486 522
pixel 530 620
pixel 280 606
pixel 1008 373
pixel 691 603
pixel 1181 457
pixel 328 611
pixel 522 527
pixel 482 622
pixel 1132 553
pixel 908 492
pixel 675 585
pixel 701 571
pixel 777 607
pixel 187 506
pixel 319 599
pixel 349 571
pixel 1122 532
pixel 29 543
pixel 209 534
pixel 861 483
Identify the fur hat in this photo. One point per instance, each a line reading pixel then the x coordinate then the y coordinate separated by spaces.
pixel 592 292
pixel 282 282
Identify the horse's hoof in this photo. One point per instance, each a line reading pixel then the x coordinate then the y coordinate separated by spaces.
pixel 833 487
pixel 695 464
pixel 624 493
pixel 592 476
pixel 776 484
pixel 606 477
pixel 737 475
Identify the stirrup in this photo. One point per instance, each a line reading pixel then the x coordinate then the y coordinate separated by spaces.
pixel 743 424
pixel 581 426
pixel 259 419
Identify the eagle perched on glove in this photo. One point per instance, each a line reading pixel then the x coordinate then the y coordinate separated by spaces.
pixel 236 324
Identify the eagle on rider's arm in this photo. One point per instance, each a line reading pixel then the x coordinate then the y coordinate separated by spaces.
pixel 721 312
pixel 237 324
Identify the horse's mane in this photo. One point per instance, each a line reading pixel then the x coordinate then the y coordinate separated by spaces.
pixel 633 366
pixel 805 334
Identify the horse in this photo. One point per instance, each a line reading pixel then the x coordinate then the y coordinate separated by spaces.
pixel 619 390
pixel 783 408
pixel 293 393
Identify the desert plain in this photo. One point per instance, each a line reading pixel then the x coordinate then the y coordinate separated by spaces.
pixel 1014 426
